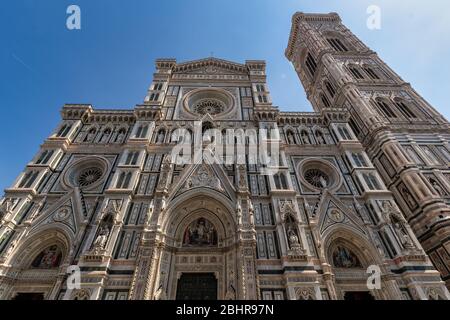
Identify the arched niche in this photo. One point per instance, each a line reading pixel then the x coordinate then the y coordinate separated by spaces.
pixel 347 241
pixel 200 233
pixel 192 210
pixel 37 243
pixel 49 258
pixel 43 256
pixel 349 256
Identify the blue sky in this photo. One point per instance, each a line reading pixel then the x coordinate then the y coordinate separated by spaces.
pixel 109 62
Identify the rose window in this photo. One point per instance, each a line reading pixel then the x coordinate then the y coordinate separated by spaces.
pixel 89 176
pixel 215 102
pixel 211 106
pixel 85 172
pixel 317 178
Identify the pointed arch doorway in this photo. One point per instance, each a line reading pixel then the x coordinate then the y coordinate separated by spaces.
pixel 200 256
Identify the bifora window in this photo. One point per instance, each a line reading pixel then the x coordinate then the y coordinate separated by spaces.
pixel 311 64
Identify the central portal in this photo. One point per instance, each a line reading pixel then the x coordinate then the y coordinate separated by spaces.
pixel 197 286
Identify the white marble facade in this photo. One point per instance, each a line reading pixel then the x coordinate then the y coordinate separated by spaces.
pixel 364 180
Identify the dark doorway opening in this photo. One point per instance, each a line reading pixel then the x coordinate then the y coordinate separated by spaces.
pixel 358 295
pixel 197 286
pixel 27 296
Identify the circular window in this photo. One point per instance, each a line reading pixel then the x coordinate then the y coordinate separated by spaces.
pixel 211 106
pixel 317 178
pixel 89 176
pixel 319 174
pixel 215 102
pixel 86 173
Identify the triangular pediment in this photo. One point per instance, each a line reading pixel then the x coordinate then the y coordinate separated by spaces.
pixel 67 211
pixel 203 175
pixel 210 66
pixel 331 212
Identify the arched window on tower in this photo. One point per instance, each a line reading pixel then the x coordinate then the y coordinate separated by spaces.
pixel 404 108
pixel 330 89
pixel 354 127
pixel 311 65
pixel 142 131
pixel 355 72
pixel 28 179
pixel 372 73
pixel 325 101
pixel 343 132
pixel 132 158
pixel 262 98
pixel 337 44
pixel 280 181
pixel 64 130
pixel 45 157
pixel 413 156
pixel 371 181
pixel 359 160
pixel 154 97
pixel 385 108
pixel 124 180
pixel 158 86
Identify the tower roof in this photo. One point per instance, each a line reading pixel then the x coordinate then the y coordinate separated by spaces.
pixel 310 17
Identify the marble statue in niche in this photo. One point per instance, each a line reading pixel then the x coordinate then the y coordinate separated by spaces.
pixel 105 136
pixel 200 232
pixel 291 139
pixel 90 136
pixel 305 137
pixel 6 207
pixel 120 136
pixel 392 215
pixel 293 238
pixel 102 238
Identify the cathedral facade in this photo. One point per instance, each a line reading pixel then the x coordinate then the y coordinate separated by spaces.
pixel 353 204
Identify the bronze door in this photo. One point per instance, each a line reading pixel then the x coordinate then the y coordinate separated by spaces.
pixel 197 286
